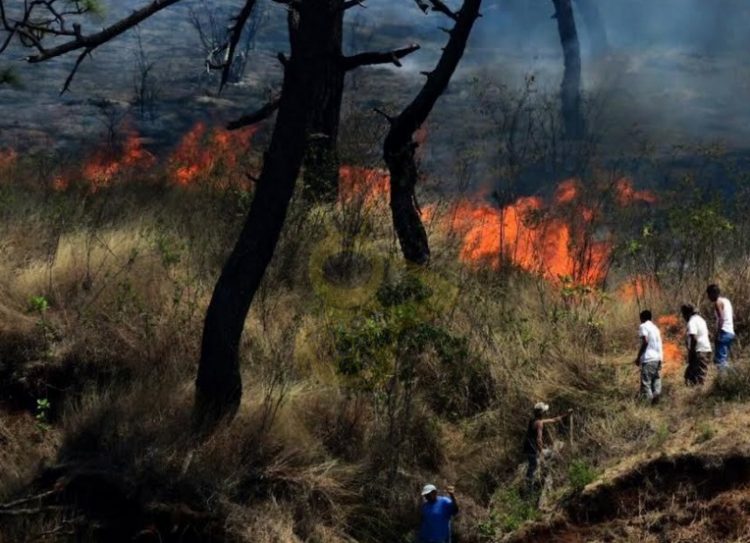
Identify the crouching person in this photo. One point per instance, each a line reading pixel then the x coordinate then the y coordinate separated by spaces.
pixel 436 515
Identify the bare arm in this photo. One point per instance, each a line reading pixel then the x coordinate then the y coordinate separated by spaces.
pixel 451 492
pixel 720 313
pixel 644 345
pixel 540 433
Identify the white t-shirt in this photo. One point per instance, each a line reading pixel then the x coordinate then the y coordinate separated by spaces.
pixel 697 327
pixel 725 320
pixel 653 352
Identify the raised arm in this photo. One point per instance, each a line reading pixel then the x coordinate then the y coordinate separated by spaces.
pixel 451 492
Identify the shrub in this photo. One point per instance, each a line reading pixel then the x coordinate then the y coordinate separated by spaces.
pixel 580 474
pixel 733 384
pixel 510 510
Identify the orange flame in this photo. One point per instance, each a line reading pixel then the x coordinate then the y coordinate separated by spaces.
pixel 673 356
pixel 637 287
pixel 627 195
pixel 566 192
pixel 100 170
pixel 202 153
pixel 367 185
pixel 522 235
pixel 60 184
pixel 671 327
pixel 7 158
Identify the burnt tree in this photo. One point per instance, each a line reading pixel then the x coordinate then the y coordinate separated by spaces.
pixel 570 89
pixel 399 146
pixel 321 163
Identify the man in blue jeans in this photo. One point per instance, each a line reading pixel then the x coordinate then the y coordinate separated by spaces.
pixel 724 326
pixel 437 512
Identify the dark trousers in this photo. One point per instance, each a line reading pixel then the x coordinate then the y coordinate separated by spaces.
pixel 695 373
pixel 531 469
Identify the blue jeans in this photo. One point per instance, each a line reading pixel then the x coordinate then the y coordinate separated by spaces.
pixel 723 342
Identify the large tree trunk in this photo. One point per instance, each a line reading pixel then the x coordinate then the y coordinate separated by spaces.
pixel 399 145
pixel 322 159
pixel 570 90
pixel 218 385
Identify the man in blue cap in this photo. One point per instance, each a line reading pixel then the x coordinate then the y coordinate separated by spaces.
pixel 437 512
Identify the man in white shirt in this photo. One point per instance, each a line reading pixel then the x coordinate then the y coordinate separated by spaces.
pixel 649 358
pixel 698 346
pixel 724 326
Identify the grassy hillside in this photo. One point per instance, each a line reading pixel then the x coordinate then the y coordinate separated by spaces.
pixel 363 379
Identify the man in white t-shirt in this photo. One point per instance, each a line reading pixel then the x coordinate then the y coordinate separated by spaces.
pixel 724 325
pixel 649 359
pixel 698 346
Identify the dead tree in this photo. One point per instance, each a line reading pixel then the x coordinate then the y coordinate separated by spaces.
pixel 570 90
pixel 399 146
pixel 218 384
pixel 322 164
pixel 597 32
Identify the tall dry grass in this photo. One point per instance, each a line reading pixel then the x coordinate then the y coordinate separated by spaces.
pixel 103 300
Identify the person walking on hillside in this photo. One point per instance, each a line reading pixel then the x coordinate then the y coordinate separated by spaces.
pixel 724 326
pixel 533 444
pixel 698 346
pixel 437 513
pixel 649 359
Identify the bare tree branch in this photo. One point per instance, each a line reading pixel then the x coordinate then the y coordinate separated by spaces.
pixel 235 33
pixel 254 118
pixel 421 4
pixel 441 7
pixel 354 3
pixel 31 32
pixel 72 73
pixel 438 6
pixel 375 57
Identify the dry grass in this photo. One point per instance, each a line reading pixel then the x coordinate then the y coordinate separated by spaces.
pixel 309 456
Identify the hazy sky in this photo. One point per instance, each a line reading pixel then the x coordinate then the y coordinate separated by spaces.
pixel 679 64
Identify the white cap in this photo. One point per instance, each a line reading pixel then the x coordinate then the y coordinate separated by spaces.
pixel 428 489
pixel 541 407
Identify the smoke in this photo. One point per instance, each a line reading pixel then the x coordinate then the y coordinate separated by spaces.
pixel 677 67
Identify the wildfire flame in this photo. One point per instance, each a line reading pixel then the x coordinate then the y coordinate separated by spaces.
pixel 366 185
pixel 526 234
pixel 637 287
pixel 7 158
pixel 627 194
pixel 202 153
pixel 671 328
pixel 100 170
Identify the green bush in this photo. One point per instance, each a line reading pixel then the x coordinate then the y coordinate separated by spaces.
pixel 509 511
pixel 580 474
pixel 410 289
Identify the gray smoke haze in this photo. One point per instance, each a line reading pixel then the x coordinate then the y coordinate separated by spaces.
pixel 678 67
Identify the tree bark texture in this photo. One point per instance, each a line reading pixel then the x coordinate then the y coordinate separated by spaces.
pixel 321 162
pixel 399 146
pixel 218 384
pixel 570 90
